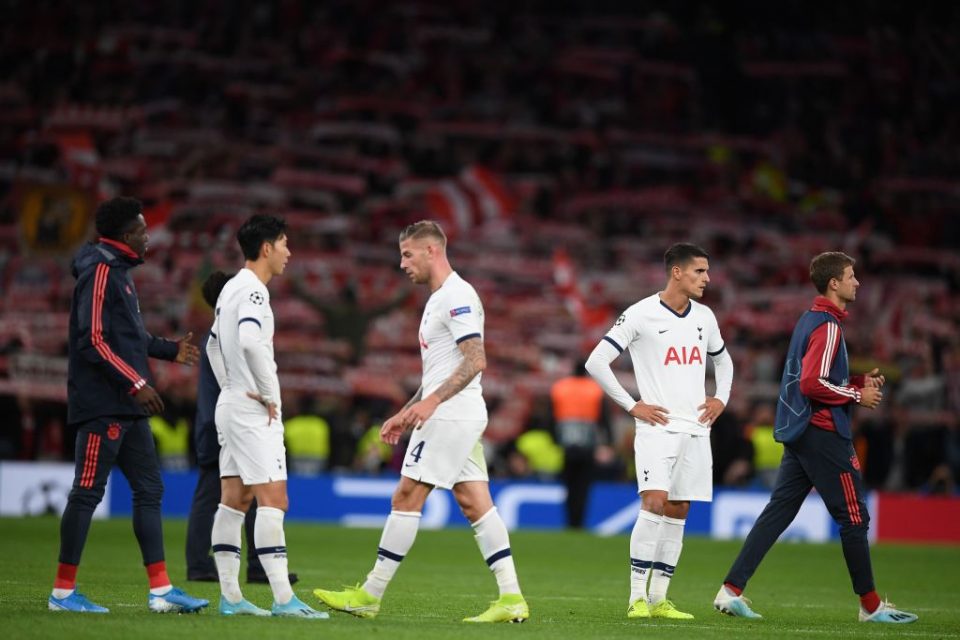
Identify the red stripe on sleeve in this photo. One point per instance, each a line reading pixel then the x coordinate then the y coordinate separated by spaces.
pixel 822 347
pixel 96 327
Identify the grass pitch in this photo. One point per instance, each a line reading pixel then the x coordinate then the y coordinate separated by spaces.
pixel 576 585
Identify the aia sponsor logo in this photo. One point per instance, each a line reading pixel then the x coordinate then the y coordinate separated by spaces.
pixel 855 461
pixel 113 431
pixel 683 356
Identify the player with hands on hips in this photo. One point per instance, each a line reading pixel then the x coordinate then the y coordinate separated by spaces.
pixel 249 424
pixel 669 336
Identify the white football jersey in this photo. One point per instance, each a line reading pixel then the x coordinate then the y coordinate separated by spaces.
pixel 452 314
pixel 243 299
pixel 669 353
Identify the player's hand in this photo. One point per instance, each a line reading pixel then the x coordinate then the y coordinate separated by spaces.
pixel 391 430
pixel 874 379
pixel 271 406
pixel 149 399
pixel 419 412
pixel 650 413
pixel 187 353
pixel 712 408
pixel 870 397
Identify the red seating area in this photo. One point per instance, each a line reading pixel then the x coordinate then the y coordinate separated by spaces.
pixel 562 147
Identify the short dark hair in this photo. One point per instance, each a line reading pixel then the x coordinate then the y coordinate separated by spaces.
pixel 258 229
pixel 212 287
pixel 827 266
pixel 423 229
pixel 680 254
pixel 115 216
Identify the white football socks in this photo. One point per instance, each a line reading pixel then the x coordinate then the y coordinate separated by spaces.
pixel 494 543
pixel 669 545
pixel 225 539
pixel 396 540
pixel 643 544
pixel 272 551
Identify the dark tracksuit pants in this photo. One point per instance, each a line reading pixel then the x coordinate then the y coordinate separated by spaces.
pixel 101 443
pixel 577 475
pixel 826 461
pixel 206 499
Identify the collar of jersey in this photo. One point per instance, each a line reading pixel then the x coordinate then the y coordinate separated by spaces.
pixel 823 303
pixel 685 313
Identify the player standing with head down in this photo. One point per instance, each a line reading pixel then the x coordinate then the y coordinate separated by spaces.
pixel 817 391
pixel 249 423
pixel 448 416
pixel 669 335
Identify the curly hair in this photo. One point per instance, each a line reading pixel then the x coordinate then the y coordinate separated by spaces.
pixel 115 216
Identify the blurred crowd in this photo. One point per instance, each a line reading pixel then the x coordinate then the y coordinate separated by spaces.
pixel 563 146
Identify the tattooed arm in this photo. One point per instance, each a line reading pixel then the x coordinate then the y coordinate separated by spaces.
pixel 474 361
pixel 418 411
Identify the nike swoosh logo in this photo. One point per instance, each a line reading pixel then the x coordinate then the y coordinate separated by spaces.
pixel 663 330
pixel 410 464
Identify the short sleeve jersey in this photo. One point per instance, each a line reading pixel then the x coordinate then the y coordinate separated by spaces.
pixel 243 299
pixel 452 314
pixel 669 353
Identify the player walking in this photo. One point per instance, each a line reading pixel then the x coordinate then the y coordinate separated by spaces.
pixel 448 416
pixel 817 394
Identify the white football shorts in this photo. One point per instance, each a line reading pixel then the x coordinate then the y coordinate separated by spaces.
pixel 446 452
pixel 249 447
pixel 678 463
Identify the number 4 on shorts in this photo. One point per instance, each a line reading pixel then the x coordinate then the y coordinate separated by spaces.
pixel 417 451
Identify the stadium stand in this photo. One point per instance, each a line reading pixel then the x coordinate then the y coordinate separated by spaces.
pixel 563 145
